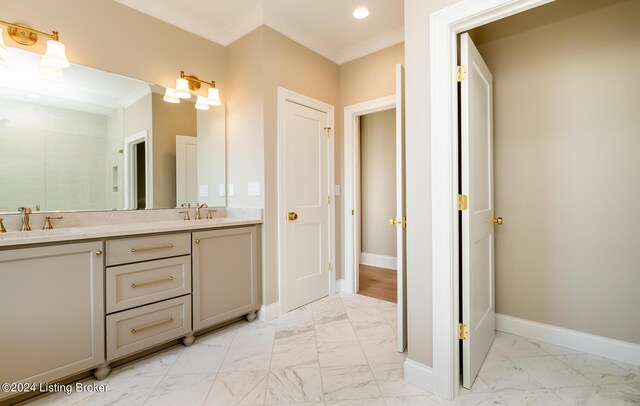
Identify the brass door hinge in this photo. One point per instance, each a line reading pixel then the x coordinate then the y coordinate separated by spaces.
pixel 461 73
pixel 463 202
pixel 329 199
pixel 329 266
pixel 463 331
pixel 353 212
pixel 328 131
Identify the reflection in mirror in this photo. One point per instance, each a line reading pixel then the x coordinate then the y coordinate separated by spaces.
pixel 93 140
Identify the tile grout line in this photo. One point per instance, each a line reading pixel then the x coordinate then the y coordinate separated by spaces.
pixel 220 367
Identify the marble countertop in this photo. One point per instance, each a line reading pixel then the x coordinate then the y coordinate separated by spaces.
pixel 16 238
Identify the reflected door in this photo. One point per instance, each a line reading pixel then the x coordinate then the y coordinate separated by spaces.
pixel 186 169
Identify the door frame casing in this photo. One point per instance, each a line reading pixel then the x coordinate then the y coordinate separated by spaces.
pixel 444 26
pixel 351 184
pixel 285 95
pixel 129 172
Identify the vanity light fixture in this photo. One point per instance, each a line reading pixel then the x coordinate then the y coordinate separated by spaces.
pixel 55 56
pixel 187 83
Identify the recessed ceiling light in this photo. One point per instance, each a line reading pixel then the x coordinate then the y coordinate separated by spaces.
pixel 360 13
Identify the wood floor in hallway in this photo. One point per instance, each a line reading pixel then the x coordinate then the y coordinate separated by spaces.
pixel 379 283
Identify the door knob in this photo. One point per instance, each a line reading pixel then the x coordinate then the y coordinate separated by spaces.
pixel 393 221
pixel 292 215
pixel 497 220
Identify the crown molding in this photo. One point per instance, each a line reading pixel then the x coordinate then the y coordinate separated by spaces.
pixel 372 45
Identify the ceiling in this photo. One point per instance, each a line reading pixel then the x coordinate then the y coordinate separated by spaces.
pixel 325 26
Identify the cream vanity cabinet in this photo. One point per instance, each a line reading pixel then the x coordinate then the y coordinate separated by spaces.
pixel 148 293
pixel 52 313
pixel 225 275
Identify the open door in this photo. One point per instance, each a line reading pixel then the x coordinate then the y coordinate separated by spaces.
pixel 477 239
pixel 401 221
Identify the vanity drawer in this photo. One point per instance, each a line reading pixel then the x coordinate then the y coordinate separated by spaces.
pixel 137 329
pixel 135 285
pixel 145 248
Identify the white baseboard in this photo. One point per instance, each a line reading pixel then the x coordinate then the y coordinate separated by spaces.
pixel 605 347
pixel 342 286
pixel 380 261
pixel 418 375
pixel 269 312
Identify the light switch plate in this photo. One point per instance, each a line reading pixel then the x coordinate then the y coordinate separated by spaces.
pixel 253 189
pixel 232 189
pixel 221 190
pixel 204 190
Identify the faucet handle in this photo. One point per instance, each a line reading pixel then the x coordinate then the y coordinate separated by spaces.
pixel 209 216
pixel 47 222
pixel 187 205
pixel 2 229
pixel 186 214
pixel 25 210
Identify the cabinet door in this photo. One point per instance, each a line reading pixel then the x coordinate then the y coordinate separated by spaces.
pixel 51 312
pixel 225 275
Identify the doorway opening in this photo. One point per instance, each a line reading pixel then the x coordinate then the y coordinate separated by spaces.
pixel 353 200
pixel 141 175
pixel 377 268
pixel 138 171
pixel 550 150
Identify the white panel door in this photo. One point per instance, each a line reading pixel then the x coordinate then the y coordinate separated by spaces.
pixel 401 212
pixel 306 249
pixel 478 304
pixel 186 169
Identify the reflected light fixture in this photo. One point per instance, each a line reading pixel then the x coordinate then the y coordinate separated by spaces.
pixel 55 56
pixel 170 96
pixel 3 50
pixel 185 84
pixel 360 13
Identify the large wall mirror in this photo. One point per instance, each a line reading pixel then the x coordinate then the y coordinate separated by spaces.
pixel 94 140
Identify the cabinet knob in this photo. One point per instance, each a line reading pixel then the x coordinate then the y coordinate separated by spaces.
pixel 98 253
pixel 197 241
pixel 497 220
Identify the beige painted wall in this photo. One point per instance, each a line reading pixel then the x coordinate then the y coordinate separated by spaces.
pixel 378 182
pixel 257 64
pixel 363 79
pixel 169 120
pixel 95 35
pixel 566 160
pixel 418 150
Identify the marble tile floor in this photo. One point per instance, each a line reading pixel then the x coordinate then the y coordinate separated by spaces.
pixel 340 351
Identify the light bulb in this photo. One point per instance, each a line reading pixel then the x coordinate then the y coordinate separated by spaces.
pixel 55 56
pixel 360 13
pixel 170 96
pixel 214 97
pixel 202 104
pixel 182 89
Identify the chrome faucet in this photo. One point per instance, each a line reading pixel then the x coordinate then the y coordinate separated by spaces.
pixel 198 207
pixel 25 212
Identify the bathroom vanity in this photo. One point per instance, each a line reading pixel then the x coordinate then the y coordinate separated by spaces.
pixel 80 299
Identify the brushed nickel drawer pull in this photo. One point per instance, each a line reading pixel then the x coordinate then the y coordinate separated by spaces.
pixel 137 285
pixel 157 247
pixel 147 327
